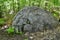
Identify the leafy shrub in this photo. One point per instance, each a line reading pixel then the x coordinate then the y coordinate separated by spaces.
pixel 11 30
pixel 2 20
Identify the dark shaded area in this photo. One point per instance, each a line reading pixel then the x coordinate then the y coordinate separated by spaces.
pixel 1 13
pixel 47 35
pixel 5 36
pixel 59 21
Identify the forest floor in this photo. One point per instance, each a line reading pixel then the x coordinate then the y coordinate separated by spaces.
pixel 46 35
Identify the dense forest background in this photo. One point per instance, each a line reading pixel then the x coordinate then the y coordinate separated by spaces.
pixel 9 8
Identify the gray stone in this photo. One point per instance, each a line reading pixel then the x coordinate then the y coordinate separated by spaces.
pixel 34 19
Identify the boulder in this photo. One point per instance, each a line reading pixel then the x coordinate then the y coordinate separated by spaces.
pixel 32 19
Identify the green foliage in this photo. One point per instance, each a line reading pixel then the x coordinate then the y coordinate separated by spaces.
pixel 16 5
pixel 55 14
pixel 11 30
pixel 25 39
pixel 2 21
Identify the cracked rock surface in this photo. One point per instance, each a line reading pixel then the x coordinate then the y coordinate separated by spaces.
pixel 33 19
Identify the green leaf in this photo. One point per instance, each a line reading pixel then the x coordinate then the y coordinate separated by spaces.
pixel 2 20
pixel 10 30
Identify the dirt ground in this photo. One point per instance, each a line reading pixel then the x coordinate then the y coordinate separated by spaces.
pixel 46 35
